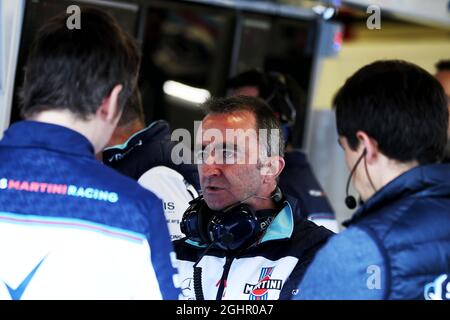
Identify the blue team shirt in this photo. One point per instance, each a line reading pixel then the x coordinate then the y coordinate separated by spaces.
pixel 49 177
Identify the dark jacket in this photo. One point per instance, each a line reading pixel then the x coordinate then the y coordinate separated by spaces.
pixel 146 149
pixel 409 219
pixel 298 180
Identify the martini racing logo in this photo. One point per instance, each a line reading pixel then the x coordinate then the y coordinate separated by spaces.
pixel 260 290
pixel 59 189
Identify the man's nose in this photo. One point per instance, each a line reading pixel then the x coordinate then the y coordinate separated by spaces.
pixel 210 170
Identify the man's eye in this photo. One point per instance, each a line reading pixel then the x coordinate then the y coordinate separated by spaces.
pixel 228 154
pixel 200 156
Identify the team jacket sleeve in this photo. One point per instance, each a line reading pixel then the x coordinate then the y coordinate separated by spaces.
pixel 350 266
pixel 162 253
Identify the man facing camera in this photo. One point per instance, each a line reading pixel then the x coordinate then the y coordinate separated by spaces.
pixel 392 123
pixel 245 239
pixel 288 101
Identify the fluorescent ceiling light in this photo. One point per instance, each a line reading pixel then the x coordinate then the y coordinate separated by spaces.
pixel 184 92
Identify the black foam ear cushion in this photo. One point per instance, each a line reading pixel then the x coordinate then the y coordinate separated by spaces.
pixel 204 216
pixel 234 229
pixel 194 221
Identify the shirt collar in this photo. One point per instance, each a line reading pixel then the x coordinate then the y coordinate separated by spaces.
pixel 282 226
pixel 34 134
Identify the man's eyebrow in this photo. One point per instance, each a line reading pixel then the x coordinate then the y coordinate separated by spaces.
pixel 200 146
pixel 233 146
pixel 224 145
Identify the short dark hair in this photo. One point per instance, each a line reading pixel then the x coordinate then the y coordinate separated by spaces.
pixel 443 65
pixel 76 69
pixel 264 116
pixel 398 104
pixel 133 109
pixel 251 77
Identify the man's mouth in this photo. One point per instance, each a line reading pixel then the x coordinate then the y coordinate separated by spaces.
pixel 213 189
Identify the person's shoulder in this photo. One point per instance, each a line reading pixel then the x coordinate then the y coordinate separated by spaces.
pixel 307 237
pixel 310 235
pixel 354 245
pixel 301 222
pixel 353 236
pixel 129 188
pixel 343 267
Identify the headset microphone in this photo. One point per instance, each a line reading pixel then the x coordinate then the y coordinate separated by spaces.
pixel 350 201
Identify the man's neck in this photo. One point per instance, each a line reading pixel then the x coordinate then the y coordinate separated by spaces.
pixel 388 170
pixel 69 120
pixel 124 132
pixel 395 170
pixel 264 200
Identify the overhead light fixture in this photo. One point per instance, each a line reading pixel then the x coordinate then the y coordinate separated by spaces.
pixel 184 92
pixel 326 12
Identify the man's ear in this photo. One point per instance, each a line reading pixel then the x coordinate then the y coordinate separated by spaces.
pixel 110 109
pixel 370 144
pixel 273 166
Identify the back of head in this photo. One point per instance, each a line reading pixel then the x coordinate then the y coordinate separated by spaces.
pixel 251 78
pixel 443 65
pixel 443 76
pixel 76 69
pixel 280 91
pixel 131 120
pixel 133 110
pixel 398 104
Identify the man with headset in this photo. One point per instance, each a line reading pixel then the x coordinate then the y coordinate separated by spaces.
pixel 287 99
pixel 392 123
pixel 245 239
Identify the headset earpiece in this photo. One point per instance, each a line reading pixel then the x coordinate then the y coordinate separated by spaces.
pixel 195 220
pixel 282 103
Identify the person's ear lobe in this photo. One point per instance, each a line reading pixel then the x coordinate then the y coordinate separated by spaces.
pixel 110 109
pixel 369 144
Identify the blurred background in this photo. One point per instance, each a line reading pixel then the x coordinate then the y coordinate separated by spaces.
pixel 191 48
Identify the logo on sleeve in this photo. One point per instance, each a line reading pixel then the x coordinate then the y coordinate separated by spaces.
pixel 265 283
pixel 439 289
pixel 17 293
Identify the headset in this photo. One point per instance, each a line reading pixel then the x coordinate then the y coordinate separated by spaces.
pixel 275 88
pixel 279 98
pixel 350 201
pixel 230 229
